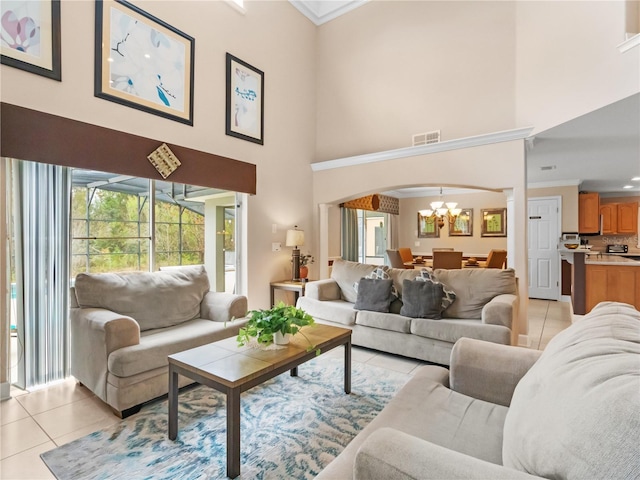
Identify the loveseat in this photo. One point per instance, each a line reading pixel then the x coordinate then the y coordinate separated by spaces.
pixel 504 412
pixel 485 308
pixel 124 325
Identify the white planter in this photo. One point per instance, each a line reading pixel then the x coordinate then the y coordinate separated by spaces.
pixel 280 339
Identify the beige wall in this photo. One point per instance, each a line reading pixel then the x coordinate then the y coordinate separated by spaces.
pixel 569 196
pixel 568 63
pixel 272 36
pixel 470 245
pixel 388 70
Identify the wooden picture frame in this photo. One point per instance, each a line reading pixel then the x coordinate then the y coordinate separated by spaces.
pixel 463 226
pixel 494 222
pixel 31 36
pixel 245 101
pixel 143 62
pixel 427 227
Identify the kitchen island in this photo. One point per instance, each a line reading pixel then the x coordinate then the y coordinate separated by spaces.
pixel 599 277
pixel 611 278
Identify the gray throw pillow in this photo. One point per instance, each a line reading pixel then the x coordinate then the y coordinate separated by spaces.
pixel 374 295
pixel 422 299
pixel 449 295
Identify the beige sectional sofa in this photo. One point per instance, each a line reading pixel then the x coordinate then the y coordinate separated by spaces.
pixel 124 325
pixel 504 412
pixel 485 308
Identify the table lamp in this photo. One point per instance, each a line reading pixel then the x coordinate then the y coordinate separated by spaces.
pixel 295 239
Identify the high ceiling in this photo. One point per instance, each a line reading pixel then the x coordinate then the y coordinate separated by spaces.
pixel 599 151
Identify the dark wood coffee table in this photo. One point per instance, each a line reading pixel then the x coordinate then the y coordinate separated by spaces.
pixel 232 370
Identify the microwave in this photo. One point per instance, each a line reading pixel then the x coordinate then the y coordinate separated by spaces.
pixel 617 248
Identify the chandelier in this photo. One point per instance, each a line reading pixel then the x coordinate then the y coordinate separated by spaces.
pixel 440 210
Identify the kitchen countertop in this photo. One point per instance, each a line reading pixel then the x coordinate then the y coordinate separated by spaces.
pixel 605 259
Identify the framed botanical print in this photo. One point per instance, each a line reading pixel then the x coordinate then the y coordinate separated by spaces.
pixel 143 62
pixel 30 37
pixel 494 222
pixel 427 227
pixel 463 226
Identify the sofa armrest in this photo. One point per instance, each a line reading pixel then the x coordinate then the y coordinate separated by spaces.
pixel 95 333
pixel 222 307
pixel 489 371
pixel 326 289
pixel 501 310
pixel 388 453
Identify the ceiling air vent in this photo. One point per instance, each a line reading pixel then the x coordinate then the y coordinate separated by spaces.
pixel 426 138
pixel 548 167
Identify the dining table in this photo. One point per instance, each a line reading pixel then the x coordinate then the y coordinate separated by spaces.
pixel 428 263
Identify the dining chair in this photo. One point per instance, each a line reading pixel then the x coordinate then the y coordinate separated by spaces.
pixel 447 259
pixel 406 254
pixel 395 259
pixel 495 259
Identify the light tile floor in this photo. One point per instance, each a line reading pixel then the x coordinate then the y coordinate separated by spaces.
pixel 33 422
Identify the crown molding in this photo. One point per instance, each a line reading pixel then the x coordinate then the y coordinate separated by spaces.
pixel 475 141
pixel 555 183
pixel 629 43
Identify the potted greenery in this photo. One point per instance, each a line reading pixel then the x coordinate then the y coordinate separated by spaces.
pixel 275 325
pixel 304 260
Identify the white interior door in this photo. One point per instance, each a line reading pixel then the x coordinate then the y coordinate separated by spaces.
pixel 544 263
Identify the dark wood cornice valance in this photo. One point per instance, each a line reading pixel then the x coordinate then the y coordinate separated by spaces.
pixel 41 137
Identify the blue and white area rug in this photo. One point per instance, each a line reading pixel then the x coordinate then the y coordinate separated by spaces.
pixel 291 427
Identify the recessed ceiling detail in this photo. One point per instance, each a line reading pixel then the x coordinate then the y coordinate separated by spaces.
pixel 322 11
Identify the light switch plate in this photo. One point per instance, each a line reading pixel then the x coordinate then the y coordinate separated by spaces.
pixel 274 228
pixel 417 244
pixel 276 247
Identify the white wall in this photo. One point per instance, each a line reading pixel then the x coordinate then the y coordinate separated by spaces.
pixel 271 36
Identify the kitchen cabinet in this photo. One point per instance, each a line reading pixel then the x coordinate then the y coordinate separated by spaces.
pixel 589 213
pixel 628 218
pixel 619 218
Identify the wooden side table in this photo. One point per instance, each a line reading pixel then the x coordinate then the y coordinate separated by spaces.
pixel 296 287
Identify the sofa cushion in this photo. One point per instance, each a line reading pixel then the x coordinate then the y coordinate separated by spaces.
pixel 451 330
pixel 576 413
pixel 421 299
pixel 384 321
pixel 374 294
pixel 474 288
pixel 336 311
pixel 153 299
pixel 347 273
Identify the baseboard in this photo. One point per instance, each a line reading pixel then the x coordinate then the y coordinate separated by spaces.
pixel 5 391
pixel 524 341
pixel 565 298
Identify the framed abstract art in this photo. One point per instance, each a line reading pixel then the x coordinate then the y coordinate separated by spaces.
pixel 245 101
pixel 30 36
pixel 143 62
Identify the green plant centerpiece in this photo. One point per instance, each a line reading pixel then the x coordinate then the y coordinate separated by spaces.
pixel 283 319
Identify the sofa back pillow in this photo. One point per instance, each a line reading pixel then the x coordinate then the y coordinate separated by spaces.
pixel 153 299
pixel 346 274
pixel 399 275
pixel 474 288
pixel 576 413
